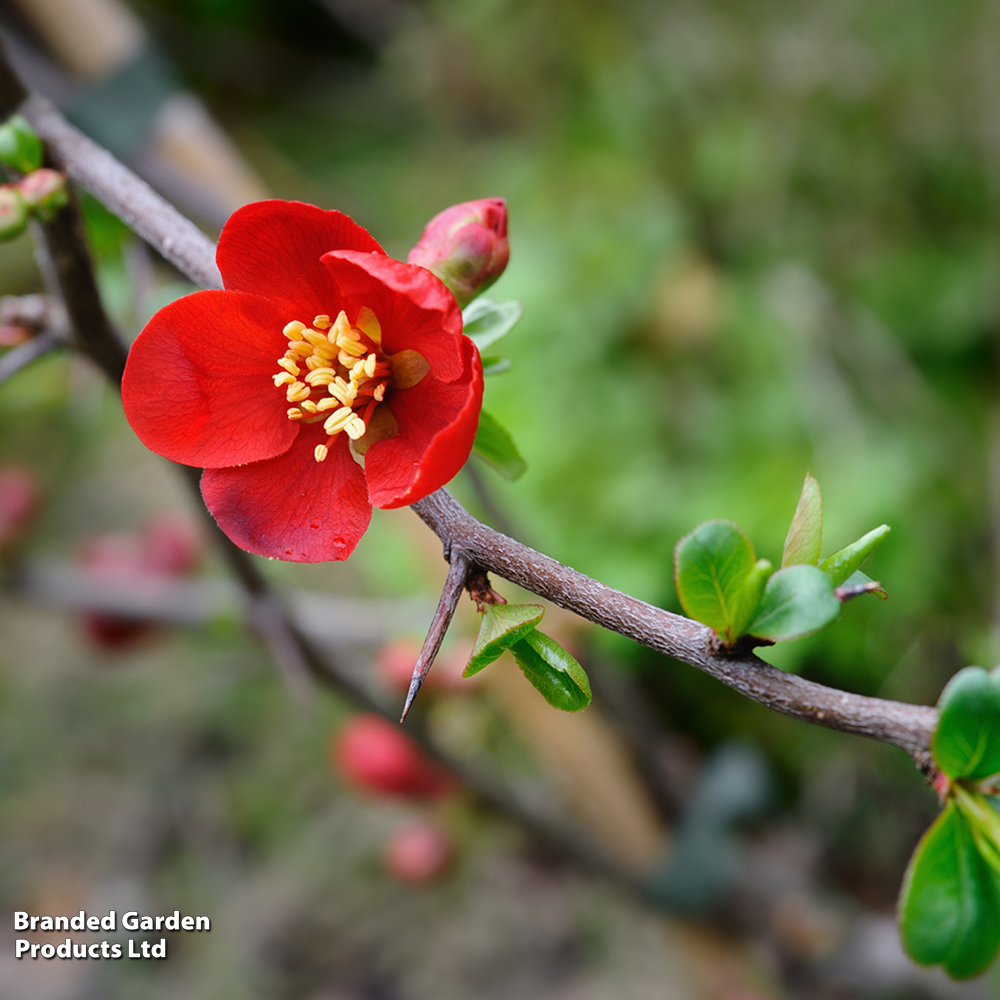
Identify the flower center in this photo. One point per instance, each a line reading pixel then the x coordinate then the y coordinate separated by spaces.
pixel 335 372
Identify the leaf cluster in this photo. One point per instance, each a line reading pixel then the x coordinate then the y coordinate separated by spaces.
pixel 949 905
pixel 553 671
pixel 721 582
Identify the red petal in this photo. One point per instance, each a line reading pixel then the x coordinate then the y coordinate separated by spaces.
pixel 198 385
pixel 273 248
pixel 293 507
pixel 437 425
pixel 423 316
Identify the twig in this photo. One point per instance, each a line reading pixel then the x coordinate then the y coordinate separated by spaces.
pixel 173 236
pixel 31 350
pixel 458 573
pixel 909 727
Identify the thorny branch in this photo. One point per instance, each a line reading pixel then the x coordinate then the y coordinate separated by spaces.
pixel 909 727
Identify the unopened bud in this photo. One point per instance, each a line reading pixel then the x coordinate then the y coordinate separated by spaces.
pixel 45 192
pixel 20 148
pixel 13 212
pixel 465 246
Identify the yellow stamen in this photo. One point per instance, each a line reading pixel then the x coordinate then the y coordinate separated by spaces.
pixel 355 428
pixel 338 420
pixel 328 404
pixel 340 328
pixel 322 322
pixel 293 331
pixel 315 337
pixel 309 406
pixel 370 363
pixel 295 414
pixel 314 361
pixel 283 378
pixel 351 346
pixel 297 391
pixel 302 348
pixel 379 393
pixel 321 451
pixel 321 376
pixel 290 366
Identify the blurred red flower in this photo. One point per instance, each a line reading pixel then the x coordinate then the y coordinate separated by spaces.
pixel 320 342
pixel 374 755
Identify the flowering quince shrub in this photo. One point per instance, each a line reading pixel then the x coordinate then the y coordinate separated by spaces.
pixel 320 351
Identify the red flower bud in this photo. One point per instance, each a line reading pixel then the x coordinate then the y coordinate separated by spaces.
pixel 373 754
pixel 13 212
pixel 418 854
pixel 465 246
pixel 19 496
pixel 45 192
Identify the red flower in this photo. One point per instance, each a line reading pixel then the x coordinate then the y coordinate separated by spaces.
pixel 320 342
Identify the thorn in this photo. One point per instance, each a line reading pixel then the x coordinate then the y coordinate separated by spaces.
pixel 458 573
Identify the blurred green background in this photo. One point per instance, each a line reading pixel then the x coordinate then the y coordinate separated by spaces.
pixel 752 239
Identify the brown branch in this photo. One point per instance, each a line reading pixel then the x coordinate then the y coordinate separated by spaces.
pixel 909 727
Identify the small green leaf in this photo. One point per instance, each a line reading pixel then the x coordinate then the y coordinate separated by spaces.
pixel 967 741
pixel 494 444
pixel 495 366
pixel 20 148
pixel 485 322
pixel 502 626
pixel 750 594
pixel 796 601
pixel 560 679
pixel 984 821
pixel 804 543
pixel 949 906
pixel 711 564
pixel 843 563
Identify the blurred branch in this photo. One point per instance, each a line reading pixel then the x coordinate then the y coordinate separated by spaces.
pixel 909 727
pixel 21 356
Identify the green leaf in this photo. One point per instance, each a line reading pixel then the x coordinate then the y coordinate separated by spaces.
pixel 494 444
pixel 556 674
pixel 843 563
pixel 984 821
pixel 796 601
pixel 711 565
pixel 495 366
pixel 502 626
pixel 967 741
pixel 485 322
pixel 804 543
pixel 949 906
pixel 748 600
pixel 20 148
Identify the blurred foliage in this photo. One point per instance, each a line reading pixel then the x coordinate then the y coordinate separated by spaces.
pixel 752 240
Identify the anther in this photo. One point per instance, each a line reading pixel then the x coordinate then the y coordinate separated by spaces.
pixel 355 428
pixel 370 363
pixel 379 393
pixel 290 366
pixel 295 413
pixel 315 337
pixel 336 421
pixel 297 391
pixel 293 331
pixel 283 378
pixel 322 322
pixel 321 451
